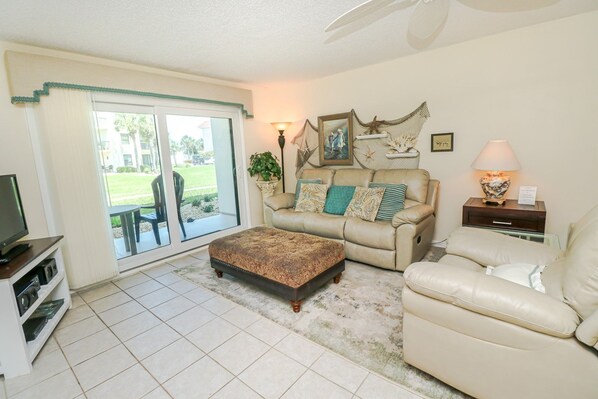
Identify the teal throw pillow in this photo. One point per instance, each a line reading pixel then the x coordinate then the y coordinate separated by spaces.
pixel 298 187
pixel 338 198
pixel 393 200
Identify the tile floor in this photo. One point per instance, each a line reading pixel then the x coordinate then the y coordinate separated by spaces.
pixel 154 335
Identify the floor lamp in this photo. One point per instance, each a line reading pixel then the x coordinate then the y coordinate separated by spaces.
pixel 281 127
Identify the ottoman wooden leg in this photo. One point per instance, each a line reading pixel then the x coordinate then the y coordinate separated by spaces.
pixel 337 278
pixel 296 306
pixel 218 273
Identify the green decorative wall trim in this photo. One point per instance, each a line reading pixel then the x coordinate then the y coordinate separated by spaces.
pixel 47 85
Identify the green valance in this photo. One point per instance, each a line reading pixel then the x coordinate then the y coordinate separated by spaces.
pixel 31 76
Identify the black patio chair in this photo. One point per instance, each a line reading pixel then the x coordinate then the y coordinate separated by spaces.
pixel 159 214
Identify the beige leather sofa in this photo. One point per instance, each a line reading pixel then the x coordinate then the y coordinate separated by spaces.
pixel 391 245
pixel 492 338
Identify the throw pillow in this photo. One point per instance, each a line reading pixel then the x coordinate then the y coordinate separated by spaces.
pixel 312 198
pixel 520 273
pixel 393 200
pixel 300 182
pixel 338 198
pixel 365 203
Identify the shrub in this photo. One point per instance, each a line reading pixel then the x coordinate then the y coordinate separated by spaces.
pixel 208 208
pixel 197 202
pixel 126 169
pixel 210 197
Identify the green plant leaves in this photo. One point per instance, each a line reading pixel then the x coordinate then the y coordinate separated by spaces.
pixel 265 165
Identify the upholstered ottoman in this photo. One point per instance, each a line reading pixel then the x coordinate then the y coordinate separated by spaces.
pixel 288 264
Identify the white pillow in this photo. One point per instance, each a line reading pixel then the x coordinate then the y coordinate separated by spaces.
pixel 520 273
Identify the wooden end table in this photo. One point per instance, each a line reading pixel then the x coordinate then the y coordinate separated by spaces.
pixel 510 216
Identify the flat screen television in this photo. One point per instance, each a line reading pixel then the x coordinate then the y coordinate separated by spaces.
pixel 12 219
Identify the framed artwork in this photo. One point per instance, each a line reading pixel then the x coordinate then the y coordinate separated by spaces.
pixel 336 139
pixel 442 142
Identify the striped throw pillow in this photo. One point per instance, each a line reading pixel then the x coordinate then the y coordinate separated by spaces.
pixel 393 200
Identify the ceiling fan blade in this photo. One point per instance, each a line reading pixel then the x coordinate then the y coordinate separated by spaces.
pixel 357 12
pixel 427 17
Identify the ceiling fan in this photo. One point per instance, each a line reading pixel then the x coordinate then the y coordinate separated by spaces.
pixel 427 17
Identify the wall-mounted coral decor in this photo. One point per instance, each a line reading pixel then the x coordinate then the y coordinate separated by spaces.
pixel 378 144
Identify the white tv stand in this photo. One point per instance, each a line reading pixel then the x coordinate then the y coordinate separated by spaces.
pixel 16 354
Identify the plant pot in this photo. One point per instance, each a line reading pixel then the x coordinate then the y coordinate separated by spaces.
pixel 267 187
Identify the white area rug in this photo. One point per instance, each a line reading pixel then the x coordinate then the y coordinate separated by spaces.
pixel 360 318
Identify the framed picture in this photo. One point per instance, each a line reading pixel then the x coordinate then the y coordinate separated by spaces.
pixel 442 142
pixel 336 139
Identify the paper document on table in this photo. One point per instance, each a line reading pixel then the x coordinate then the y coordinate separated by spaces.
pixel 527 195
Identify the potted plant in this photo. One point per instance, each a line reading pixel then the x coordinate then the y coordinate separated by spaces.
pixel 265 165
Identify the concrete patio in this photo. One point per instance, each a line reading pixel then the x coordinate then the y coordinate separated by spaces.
pixel 197 228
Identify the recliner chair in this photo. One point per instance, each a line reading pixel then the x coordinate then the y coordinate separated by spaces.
pixel 492 338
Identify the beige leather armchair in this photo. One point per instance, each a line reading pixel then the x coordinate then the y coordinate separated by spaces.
pixel 492 338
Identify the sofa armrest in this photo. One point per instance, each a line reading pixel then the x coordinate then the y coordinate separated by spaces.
pixel 494 297
pixel 587 332
pixel 413 215
pixel 490 248
pixel 280 201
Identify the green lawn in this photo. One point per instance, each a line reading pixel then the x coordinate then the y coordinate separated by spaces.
pixel 135 188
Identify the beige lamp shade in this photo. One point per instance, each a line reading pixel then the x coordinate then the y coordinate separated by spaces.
pixel 497 155
pixel 281 126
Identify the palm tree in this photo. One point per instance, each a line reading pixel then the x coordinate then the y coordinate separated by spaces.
pixel 137 126
pixel 191 146
pixel 175 148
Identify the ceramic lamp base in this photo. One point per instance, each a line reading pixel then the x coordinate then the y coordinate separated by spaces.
pixel 495 186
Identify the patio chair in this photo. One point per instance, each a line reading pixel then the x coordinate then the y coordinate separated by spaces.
pixel 159 214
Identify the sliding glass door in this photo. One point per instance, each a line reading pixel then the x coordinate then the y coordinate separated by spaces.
pixel 202 156
pixel 170 175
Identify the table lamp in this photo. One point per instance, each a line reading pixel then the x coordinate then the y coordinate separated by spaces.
pixel 496 157
pixel 281 127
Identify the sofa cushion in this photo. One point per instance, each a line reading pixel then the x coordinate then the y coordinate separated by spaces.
pixel 321 173
pixel 416 181
pixel 301 182
pixel 580 282
pixel 393 200
pixel 372 256
pixel 365 203
pixel 288 219
pixel 311 198
pixel 323 225
pixel 338 198
pixel 280 201
pixel 353 177
pixel 377 234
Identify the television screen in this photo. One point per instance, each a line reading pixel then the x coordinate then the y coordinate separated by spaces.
pixel 12 220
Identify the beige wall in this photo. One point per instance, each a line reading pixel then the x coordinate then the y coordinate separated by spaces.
pixel 536 87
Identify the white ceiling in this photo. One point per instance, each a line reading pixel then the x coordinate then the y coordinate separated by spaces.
pixel 255 41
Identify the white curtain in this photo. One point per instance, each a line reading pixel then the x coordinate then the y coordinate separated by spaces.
pixel 67 166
